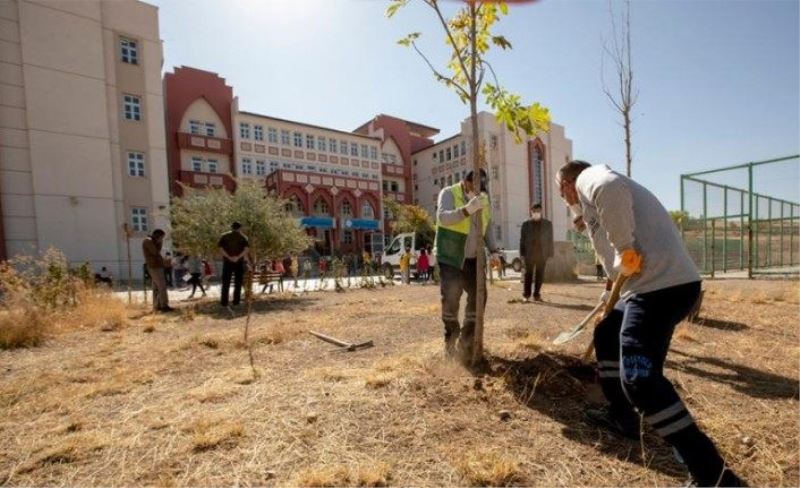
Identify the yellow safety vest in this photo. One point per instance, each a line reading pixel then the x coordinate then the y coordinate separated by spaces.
pixel 451 240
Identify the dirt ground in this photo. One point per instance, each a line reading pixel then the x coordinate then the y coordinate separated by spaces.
pixel 170 400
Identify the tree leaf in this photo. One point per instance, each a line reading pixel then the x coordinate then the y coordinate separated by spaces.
pixel 501 42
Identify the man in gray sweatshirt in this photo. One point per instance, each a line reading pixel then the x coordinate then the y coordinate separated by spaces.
pixel 634 236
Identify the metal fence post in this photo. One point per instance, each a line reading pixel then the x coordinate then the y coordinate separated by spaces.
pixel 781 253
pixel 683 209
pixel 713 246
pixel 741 230
pixel 769 232
pixel 725 230
pixel 756 244
pixel 705 230
pixel 791 236
pixel 750 221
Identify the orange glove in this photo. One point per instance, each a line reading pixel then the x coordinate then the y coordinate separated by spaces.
pixel 630 262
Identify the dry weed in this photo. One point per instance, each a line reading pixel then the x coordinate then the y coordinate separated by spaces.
pixel 21 328
pixel 66 450
pixel 367 475
pixel 209 433
pixel 491 469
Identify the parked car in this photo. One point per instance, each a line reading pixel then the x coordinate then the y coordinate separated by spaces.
pixel 390 259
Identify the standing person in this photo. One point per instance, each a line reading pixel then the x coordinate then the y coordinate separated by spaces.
pixel 208 272
pixel 636 238
pixel 294 268
pixel 405 265
pixel 598 265
pixel 234 247
pixel 157 267
pixel 104 276
pixel 423 265
pixel 431 263
pixel 503 262
pixel 367 260
pixel 194 266
pixel 168 270
pixel 456 255
pixel 535 247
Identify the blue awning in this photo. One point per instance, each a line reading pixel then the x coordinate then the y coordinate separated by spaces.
pixel 318 222
pixel 361 224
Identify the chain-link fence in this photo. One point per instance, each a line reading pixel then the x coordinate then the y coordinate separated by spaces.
pixel 743 218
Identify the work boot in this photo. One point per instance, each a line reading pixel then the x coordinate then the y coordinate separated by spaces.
pixel 622 425
pixel 537 297
pixel 450 348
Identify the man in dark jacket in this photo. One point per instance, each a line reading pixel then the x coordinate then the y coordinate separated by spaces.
pixel 535 247
pixel 234 248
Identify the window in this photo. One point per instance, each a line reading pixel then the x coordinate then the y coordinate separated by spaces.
pixel 272 135
pixel 498 232
pixel 364 151
pixel 139 219
pixel 441 155
pixel 436 182
pixel 346 209
pixel 295 207
pixel 285 137
pixel 212 166
pixel 258 132
pixel 323 169
pixel 385 185
pixel 309 141
pixel 211 129
pixel 332 145
pixel 273 165
pixel 455 151
pixel 320 207
pixel 394 186
pixel 135 164
pixel 393 159
pixel 495 172
pixel 321 145
pixel 343 147
pixel 448 154
pixel 373 153
pixel 194 126
pixel 132 107
pixel 463 148
pixel 537 175
pixel 367 212
pixel 261 168
pixel 298 139
pixel 197 164
pixel 247 166
pixel 493 141
pixel 449 180
pixel 347 237
pixel 434 155
pixel 312 167
pixel 244 130
pixel 354 149
pixel 384 157
pixel 129 50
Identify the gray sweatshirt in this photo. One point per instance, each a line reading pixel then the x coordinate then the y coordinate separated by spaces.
pixel 448 214
pixel 622 214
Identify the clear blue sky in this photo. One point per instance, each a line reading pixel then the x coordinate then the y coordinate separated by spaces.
pixel 719 80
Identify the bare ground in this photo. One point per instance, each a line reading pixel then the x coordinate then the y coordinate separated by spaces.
pixel 170 400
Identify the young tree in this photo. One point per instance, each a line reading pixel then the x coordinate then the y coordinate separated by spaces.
pixel 411 218
pixel 620 54
pixel 468 33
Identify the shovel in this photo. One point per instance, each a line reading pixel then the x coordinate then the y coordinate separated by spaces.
pixel 568 335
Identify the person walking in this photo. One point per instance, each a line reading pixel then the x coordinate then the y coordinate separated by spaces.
pixel 157 268
pixel 636 238
pixel 405 265
pixel 535 247
pixel 423 265
pixel 456 254
pixel 234 247
pixel 194 267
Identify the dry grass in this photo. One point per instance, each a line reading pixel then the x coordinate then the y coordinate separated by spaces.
pixel 21 328
pixel 179 406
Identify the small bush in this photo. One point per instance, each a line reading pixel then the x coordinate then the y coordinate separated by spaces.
pixel 21 328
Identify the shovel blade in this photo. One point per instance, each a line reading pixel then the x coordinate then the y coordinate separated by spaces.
pixel 567 336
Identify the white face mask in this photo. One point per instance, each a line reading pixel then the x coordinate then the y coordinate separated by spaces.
pixel 536 216
pixel 576 209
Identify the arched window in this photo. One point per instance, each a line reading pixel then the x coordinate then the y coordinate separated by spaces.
pixel 346 209
pixel 321 207
pixel 295 207
pixel 537 176
pixel 367 212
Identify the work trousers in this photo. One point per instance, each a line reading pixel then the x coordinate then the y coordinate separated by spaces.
pixel 534 272
pixel 632 344
pixel 159 281
pixel 452 283
pixel 235 270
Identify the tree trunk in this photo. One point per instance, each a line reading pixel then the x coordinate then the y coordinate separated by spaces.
pixel 628 159
pixel 480 295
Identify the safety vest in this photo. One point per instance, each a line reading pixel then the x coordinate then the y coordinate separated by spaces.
pixel 451 240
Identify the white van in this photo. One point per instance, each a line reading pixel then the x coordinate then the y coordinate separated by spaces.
pixel 390 259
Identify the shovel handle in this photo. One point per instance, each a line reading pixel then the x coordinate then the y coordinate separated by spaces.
pixel 616 289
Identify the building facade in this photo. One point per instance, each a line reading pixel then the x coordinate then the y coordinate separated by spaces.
pixel 519 175
pixel 82 149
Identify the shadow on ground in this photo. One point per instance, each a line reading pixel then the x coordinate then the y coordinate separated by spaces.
pixel 751 382
pixel 559 386
pixel 260 305
pixel 721 324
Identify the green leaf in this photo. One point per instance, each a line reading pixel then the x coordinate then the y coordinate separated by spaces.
pixel 501 42
pixel 394 7
pixel 504 8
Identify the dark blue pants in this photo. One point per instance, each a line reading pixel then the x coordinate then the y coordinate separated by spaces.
pixel 452 283
pixel 235 271
pixel 632 345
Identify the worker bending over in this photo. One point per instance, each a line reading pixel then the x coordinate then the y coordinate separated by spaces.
pixel 635 237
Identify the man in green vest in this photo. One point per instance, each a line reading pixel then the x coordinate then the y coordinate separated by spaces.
pixel 456 254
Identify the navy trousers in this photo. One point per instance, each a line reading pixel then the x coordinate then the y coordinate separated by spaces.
pixel 453 282
pixel 632 344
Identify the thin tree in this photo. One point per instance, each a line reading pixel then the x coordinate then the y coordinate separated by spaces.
pixel 624 95
pixel 468 33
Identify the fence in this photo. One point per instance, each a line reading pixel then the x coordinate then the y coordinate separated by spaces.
pixel 744 217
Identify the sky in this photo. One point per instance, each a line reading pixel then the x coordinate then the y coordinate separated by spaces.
pixel 718 81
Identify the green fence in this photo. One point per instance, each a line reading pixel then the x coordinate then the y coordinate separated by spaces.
pixel 744 217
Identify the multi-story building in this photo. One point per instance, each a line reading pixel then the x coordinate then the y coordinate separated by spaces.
pixel 519 175
pixel 81 129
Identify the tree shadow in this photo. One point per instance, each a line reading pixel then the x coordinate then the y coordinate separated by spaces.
pixel 560 386
pixel 260 305
pixel 721 324
pixel 751 382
